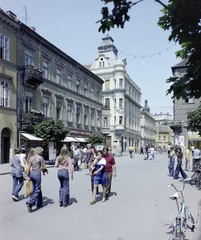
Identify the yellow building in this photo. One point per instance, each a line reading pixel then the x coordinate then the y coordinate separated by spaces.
pixel 8 75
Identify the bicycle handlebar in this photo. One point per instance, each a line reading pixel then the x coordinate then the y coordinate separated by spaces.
pixel 172 185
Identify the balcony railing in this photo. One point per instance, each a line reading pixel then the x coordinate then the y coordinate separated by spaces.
pixel 32 76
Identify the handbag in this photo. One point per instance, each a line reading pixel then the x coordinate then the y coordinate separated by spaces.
pixel 28 189
pixel 79 163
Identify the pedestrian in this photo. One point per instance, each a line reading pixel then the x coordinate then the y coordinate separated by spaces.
pixel 100 176
pixel 171 162
pixel 89 156
pixel 141 150
pixel 28 188
pixel 152 151
pixel 65 168
pixel 76 158
pixel 17 174
pixel 131 151
pixel 187 158
pixel 110 169
pixel 36 165
pixel 147 151
pixel 168 149
pixel 196 159
pixel 179 165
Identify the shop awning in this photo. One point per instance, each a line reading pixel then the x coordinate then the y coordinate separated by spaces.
pixel 80 139
pixel 31 137
pixel 70 139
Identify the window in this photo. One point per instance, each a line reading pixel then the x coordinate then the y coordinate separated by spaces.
pixel 86 114
pixel 92 93
pixel 121 120
pixel 115 103
pixel 120 102
pixel 69 112
pixel 120 82
pixel 29 57
pixel 85 90
pixel 46 69
pixel 58 109
pixel 28 104
pixel 92 118
pixel 78 115
pixel 101 63
pixel 107 103
pixel 107 84
pixel 45 105
pixel 105 122
pixel 98 119
pixel 4 47
pixel 58 76
pixel 69 82
pixel 78 86
pixel 189 100
pixel 98 96
pixel 4 93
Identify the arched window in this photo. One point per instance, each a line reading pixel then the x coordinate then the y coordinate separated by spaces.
pixel 4 93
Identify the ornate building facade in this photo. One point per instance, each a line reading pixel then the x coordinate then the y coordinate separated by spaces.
pixel 43 82
pixel 121 98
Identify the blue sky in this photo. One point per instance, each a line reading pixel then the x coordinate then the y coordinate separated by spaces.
pixel 71 26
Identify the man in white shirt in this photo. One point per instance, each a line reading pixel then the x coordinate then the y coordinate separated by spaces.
pixel 196 159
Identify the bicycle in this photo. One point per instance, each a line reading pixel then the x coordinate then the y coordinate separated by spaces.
pixel 196 177
pixel 182 219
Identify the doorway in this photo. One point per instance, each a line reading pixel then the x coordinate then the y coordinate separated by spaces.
pixel 5 146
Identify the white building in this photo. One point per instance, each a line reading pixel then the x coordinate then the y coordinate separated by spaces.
pixel 162 118
pixel 121 98
pixel 148 126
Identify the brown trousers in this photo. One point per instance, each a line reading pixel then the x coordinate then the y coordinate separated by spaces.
pixel 109 178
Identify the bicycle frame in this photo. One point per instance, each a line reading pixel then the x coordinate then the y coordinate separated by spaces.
pixel 180 220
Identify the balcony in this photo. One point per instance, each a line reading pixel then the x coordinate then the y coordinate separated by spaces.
pixel 32 76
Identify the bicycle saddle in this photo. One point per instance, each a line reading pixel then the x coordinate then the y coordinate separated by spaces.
pixel 175 196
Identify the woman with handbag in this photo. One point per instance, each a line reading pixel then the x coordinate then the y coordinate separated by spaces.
pixel 36 165
pixel 28 189
pixel 65 168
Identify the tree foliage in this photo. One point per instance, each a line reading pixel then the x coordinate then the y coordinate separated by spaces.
pixel 95 138
pixel 51 131
pixel 182 17
pixel 194 120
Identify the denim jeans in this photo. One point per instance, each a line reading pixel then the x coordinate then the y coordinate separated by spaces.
pixel 18 183
pixel 63 176
pixel 171 166
pixel 36 196
pixel 179 169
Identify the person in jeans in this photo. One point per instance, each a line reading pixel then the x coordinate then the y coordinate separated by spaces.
pixel 171 162
pixel 179 165
pixel 110 169
pixel 65 168
pixel 17 174
pixel 36 165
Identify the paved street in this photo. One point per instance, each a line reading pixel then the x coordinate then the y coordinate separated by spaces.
pixel 139 208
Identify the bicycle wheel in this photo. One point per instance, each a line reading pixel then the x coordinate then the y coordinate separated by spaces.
pixel 177 233
pixel 193 179
pixel 198 182
pixel 189 220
